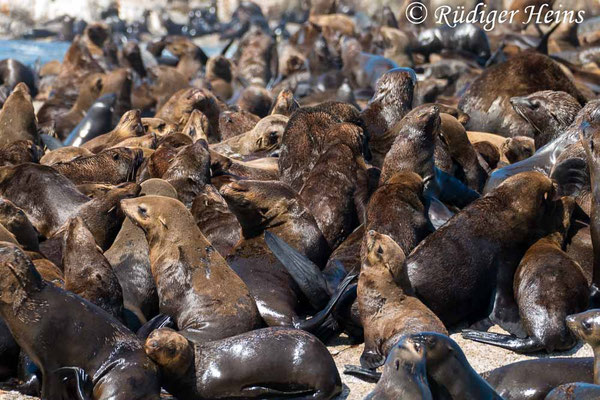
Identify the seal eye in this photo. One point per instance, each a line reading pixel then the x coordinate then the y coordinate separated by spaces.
pixel 380 250
pixel 273 137
pixel 586 325
pixel 143 211
pixel 116 157
pixel 535 104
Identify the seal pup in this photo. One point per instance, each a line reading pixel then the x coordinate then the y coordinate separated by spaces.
pixel 111 166
pixel 268 362
pixel 17 117
pixel 129 258
pixel 195 285
pixel 386 302
pixel 274 206
pixel 549 112
pixel 108 358
pixel 404 374
pixel 87 272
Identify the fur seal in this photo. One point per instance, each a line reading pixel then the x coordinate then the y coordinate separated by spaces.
pixel 404 374
pixel 256 100
pixel 17 117
pixel 130 125
pixel 548 286
pixel 517 148
pixel 392 100
pixel 190 275
pixel 87 272
pixel 575 391
pixel 129 258
pixel 19 152
pixel 489 152
pixel 64 154
pixel 386 302
pixel 467 38
pixel 269 362
pixel 262 169
pixel 233 123
pixel 285 103
pixel 487 98
pixel 111 166
pixel 548 112
pixel 12 72
pixel 96 122
pixel 256 57
pixel 273 206
pixel 525 199
pixel 217 223
pixel 189 171
pixel 15 221
pixel 107 357
pixel 362 69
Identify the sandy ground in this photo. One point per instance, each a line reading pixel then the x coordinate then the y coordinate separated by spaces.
pixel 482 357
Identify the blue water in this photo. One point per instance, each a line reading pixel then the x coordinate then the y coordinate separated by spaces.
pixel 28 51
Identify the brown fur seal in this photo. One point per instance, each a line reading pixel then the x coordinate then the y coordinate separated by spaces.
pixel 526 201
pixel 392 100
pixel 256 100
pixel 166 81
pixel 489 153
pixel 548 286
pixel 548 112
pixel 17 117
pixel 64 154
pixel 221 165
pixel 586 326
pixel 517 148
pixel 195 285
pixel 217 223
pixel 285 103
pixel 233 123
pixel 264 138
pixel 414 145
pixel 273 206
pixel 191 57
pixel 19 152
pixel 256 57
pixel 189 171
pixel 196 126
pixel 361 68
pixel 158 126
pixel 387 305
pixel 112 166
pixel 109 360
pixel 87 272
pixel 130 260
pixel 487 98
pixel 15 221
pixel 130 125
pixel 219 75
pixel 269 362
pixel 404 374
pixel 336 189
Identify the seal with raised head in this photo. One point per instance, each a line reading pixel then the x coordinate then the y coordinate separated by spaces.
pixel 17 117
pixel 195 285
pixel 130 125
pixel 106 356
pixel 270 362
pixel 387 306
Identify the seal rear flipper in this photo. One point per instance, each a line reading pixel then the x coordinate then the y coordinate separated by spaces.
pixel 509 342
pixel 437 212
pixel 160 321
pixel 305 273
pixel 452 191
pixel 362 373
pixel 319 318
pixel 68 383
pixel 571 176
pixel 371 360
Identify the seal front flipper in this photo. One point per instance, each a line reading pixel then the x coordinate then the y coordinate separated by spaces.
pixel 438 213
pixel 362 373
pixel 452 191
pixel 305 273
pixel 159 321
pixel 570 176
pixel 317 320
pixel 509 342
pixel 371 359
pixel 68 383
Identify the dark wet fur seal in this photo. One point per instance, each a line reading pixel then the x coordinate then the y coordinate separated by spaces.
pixel 404 374
pixel 217 223
pixel 392 100
pixel 467 38
pixel 87 272
pixel 12 72
pixel 96 122
pixel 130 125
pixel 110 357
pixel 190 275
pixel 548 286
pixel 487 99
pixel 387 305
pixel 112 166
pixel 548 112
pixel 271 369
pixel 534 379
pixel 272 206
pixel 575 391
pixel 530 204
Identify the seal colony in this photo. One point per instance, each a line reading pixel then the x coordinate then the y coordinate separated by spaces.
pixel 205 225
